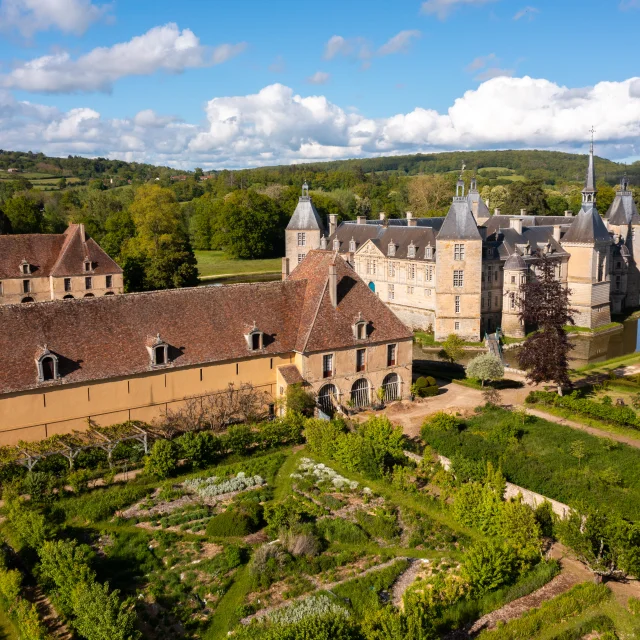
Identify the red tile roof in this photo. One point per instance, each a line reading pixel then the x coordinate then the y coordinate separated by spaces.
pixel 291 374
pixel 106 337
pixel 57 255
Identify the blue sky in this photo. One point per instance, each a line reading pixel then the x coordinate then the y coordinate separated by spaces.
pixel 233 84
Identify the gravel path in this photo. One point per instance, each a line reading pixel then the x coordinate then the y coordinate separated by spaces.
pixel 406 580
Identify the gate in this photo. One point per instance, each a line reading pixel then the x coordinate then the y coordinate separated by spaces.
pixel 360 393
pixel 392 387
pixel 328 399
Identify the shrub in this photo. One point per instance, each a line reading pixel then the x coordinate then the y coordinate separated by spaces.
pixel 198 447
pixel 213 486
pixel 485 367
pixel 322 436
pixel 163 459
pixel 238 439
pixel 487 566
pixel 300 401
pixel 301 543
pixel 381 524
pixel 237 521
pixel 338 530
pixel 267 564
pixel 441 421
pixel 79 480
pixel 425 387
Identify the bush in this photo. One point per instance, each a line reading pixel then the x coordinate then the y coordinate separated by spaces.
pixel 424 387
pixel 237 521
pixel 322 436
pixel 441 421
pixel 300 401
pixel 338 530
pixel 79 480
pixel 163 459
pixel 485 367
pixel 488 566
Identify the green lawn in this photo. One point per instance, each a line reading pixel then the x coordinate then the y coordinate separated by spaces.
pixel 215 264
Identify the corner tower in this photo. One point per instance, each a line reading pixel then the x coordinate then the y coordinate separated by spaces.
pixel 304 230
pixel 458 271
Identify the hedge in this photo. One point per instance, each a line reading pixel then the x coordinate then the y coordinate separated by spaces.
pixel 623 416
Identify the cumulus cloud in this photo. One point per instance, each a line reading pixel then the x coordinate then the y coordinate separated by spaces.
pixel 526 12
pixel 319 77
pixel 399 43
pixel 164 48
pixel 276 125
pixel 443 8
pixel 30 16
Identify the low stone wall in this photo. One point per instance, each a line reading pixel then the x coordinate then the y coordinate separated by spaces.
pixel 531 498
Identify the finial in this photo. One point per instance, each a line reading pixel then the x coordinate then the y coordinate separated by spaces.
pixel 305 190
pixel 592 131
pixel 464 166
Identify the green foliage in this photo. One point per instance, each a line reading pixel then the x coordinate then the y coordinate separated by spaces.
pixel 24 214
pixel 163 459
pixel 485 367
pixel 28 523
pixel 381 524
pixel 340 530
pixel 322 436
pixel 441 421
pixel 527 195
pixel 102 502
pixel 79 480
pixel 488 565
pixel 239 520
pixel 452 348
pixel 299 400
pixel 425 387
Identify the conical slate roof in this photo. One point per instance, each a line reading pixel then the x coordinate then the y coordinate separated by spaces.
pixel 459 223
pixel 515 262
pixel 623 209
pixel 587 227
pixel 305 217
pixel 477 205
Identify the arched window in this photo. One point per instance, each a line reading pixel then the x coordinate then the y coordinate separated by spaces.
pixel 392 387
pixel 352 245
pixel 109 293
pixel 158 351
pixel 89 295
pixel 68 297
pixel 27 299
pixel 255 338
pixel 47 365
pixel 328 399
pixel 360 393
pixel 411 251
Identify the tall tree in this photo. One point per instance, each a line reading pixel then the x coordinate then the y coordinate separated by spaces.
pixel 529 195
pixel 24 214
pixel 544 305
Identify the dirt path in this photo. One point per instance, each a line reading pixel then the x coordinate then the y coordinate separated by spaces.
pixel 320 586
pixel 632 442
pixel 406 580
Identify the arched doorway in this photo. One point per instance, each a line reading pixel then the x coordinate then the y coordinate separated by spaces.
pixel 392 385
pixel 372 286
pixel 68 297
pixel 328 398
pixel 27 299
pixel 361 393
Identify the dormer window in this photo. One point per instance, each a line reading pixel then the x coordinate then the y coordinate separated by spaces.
pixel 25 268
pixel 47 365
pixel 336 244
pixel 87 266
pixel 428 252
pixel 352 245
pixel 411 251
pixel 360 328
pixel 158 351
pixel 392 249
pixel 255 339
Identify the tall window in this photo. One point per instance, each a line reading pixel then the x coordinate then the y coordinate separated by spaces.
pixel 67 284
pixel 160 355
pixel 361 359
pixel 108 282
pixel 410 290
pixel 428 253
pixel 600 267
pixel 427 292
pixel 87 265
pixel 88 282
pixel 26 270
pixel 302 239
pixel 617 283
pixel 1 291
pixel 513 279
pixel 457 304
pixel 458 278
pixel 456 326
pixel 428 273
pixel 300 257
pixel 391 292
pixel 411 251
pixel 327 365
pixel 26 286
pixel 412 271
pixel 458 252
pixel 512 300
pixel 392 269
pixel 391 355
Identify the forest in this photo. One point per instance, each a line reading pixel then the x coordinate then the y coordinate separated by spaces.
pixel 150 219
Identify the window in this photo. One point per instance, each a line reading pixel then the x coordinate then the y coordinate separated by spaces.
pixel 484 302
pixel 513 279
pixel 512 300
pixel 361 358
pixel 108 282
pixel 391 292
pixel 391 249
pixel 428 253
pixel 497 301
pixel 617 283
pixel 457 304
pixel 483 275
pixel 411 251
pixel 25 268
pixel 255 339
pixel 392 269
pixel 352 245
pixel 1 290
pixel 327 365
pixel 48 368
pixel 458 278
pixel 159 353
pixel 618 265
pixel 600 267
pixel 412 271
pixel 26 286
pixel 391 355
pixel 410 290
pixel 458 252
pixel 427 292
pixel 300 257
pixel 489 301
pixel 336 244
pixel 456 326
pixel 302 239
pixel 88 282
pixel 428 273
pixel 87 265
pixel 371 267
pixel 67 284
pixel 495 276
pixel 360 330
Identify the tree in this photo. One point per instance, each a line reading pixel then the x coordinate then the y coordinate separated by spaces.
pixel 578 450
pixel 488 565
pixel 299 400
pixel 163 459
pixel 452 348
pixel 485 367
pixel 498 197
pixel 545 305
pixel 62 183
pixel 428 194
pixel 528 195
pixel 24 214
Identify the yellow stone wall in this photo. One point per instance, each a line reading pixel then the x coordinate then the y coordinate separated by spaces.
pixel 292 250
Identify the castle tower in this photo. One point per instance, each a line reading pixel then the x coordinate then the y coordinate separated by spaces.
pixel 589 244
pixel 458 271
pixel 515 274
pixel 304 231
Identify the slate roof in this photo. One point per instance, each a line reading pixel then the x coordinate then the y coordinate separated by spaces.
pixel 502 222
pixel 623 209
pixel 55 255
pixel 478 205
pixel 459 223
pixel 106 337
pixel 587 227
pixel 515 262
pixel 537 238
pixel 305 217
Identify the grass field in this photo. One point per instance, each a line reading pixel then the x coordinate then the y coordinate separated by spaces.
pixel 216 264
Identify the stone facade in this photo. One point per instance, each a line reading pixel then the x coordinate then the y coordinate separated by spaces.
pixel 463 273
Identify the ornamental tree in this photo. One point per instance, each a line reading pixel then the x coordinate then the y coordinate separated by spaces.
pixel 485 367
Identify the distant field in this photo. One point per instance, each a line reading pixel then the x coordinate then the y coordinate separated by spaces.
pixel 212 264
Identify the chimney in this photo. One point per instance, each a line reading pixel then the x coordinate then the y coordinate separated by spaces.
pixel 496 212
pixel 333 285
pixel 285 268
pixel 568 214
pixel 83 235
pixel 333 223
pixel 556 232
pixel 516 223
pixel 409 215
pixel 523 212
pixel 361 219
pixel 412 222
pixel 383 215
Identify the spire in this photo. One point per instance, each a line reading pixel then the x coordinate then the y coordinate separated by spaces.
pixel 460 183
pixel 589 191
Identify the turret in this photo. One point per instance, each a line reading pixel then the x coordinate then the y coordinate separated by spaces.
pixel 304 230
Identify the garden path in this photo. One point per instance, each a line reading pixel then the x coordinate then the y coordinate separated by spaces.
pixel 406 580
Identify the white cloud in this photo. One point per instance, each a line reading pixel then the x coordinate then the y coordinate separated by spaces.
pixel 348 47
pixel 443 8
pixel 399 43
pixel 30 16
pixel 494 72
pixel 163 48
pixel 480 62
pixel 276 125
pixel 319 77
pixel 526 12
